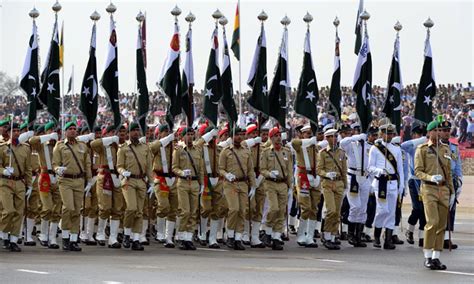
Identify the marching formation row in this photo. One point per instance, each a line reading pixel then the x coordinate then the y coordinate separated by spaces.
pixel 187 186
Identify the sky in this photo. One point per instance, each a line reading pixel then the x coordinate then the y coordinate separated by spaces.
pixel 452 37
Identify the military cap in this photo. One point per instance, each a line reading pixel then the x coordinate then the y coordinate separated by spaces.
pixel 433 125
pixel 372 130
pixel 69 124
pixel 24 125
pixel 330 132
pixel 40 129
pixel 163 127
pixel 48 126
pixel 133 126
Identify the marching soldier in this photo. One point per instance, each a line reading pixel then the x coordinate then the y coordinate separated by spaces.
pixel 236 167
pixel 332 168
pixel 109 194
pixel 386 165
pixel 71 162
pixel 15 185
pixel 134 165
pixel 433 168
pixel 398 212
pixel 188 166
pixel 165 186
pixel 43 144
pixel 277 168
pixel 307 186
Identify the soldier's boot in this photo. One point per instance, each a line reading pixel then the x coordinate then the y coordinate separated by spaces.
pixel 113 242
pixel 310 243
pixel 246 233
pixel 377 234
pixel 428 263
pixel 73 245
pixel 203 232
pixel 43 236
pixel 30 223
pixel 126 241
pixel 143 239
pixel 65 244
pixel 358 236
pixel 351 232
pixel 160 230
pixel 291 225
pixel 301 235
pixel 13 244
pixel 317 232
pixel 447 242
pixel 182 242
pixel 169 234
pixel 409 236
pixel 101 231
pixel 267 237
pixel 136 244
pixel 276 245
pixel 213 235
pixel 366 236
pixel 420 242
pixel 255 241
pixel 395 239
pixel 6 243
pixel 238 245
pixel 437 265
pixel 53 229
pixel 421 235
pixel 90 241
pixel 329 241
pixel 388 240
pixel 343 236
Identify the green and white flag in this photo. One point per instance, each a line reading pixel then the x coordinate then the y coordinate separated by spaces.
pixel 142 88
pixel 426 88
pixel 258 76
pixel 393 106
pixel 188 80
pixel 227 87
pixel 213 86
pixel 362 86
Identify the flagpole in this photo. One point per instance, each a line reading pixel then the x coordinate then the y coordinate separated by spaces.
pixel 190 18
pixel 240 67
pixel 56 8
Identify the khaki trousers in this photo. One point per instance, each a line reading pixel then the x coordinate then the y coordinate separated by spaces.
pixel 110 202
pixel 436 203
pixel 134 191
pixel 51 204
pixel 72 193
pixel 332 192
pixel 219 202
pixel 12 196
pixel 236 195
pixel 167 202
pixel 188 192
pixel 277 194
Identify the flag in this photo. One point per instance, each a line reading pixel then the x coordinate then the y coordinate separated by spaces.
pixel 30 81
pixel 89 93
pixel 188 80
pixel 393 107
pixel 307 95
pixel 110 77
pixel 70 83
pixel 281 86
pixel 227 88
pixel 61 47
pixel 143 40
pixel 358 28
pixel 426 88
pixel 363 85
pixel 335 90
pixel 235 46
pixel 143 100
pixel 50 88
pixel 170 79
pixel 213 87
pixel 258 77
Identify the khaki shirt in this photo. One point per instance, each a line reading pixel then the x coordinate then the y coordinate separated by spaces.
pixel 330 160
pixel 126 160
pixel 427 164
pixel 98 148
pixel 63 157
pixel 312 151
pixel 23 154
pixel 228 163
pixel 182 162
pixel 155 150
pixel 213 156
pixel 36 145
pixel 269 162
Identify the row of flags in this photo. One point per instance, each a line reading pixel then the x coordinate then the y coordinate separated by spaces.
pixel 43 92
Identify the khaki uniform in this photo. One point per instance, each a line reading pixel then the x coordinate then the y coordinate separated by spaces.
pixel 330 160
pixel 134 187
pixel 188 188
pixel 12 188
pixel 236 192
pixel 91 205
pixel 71 184
pixel 276 189
pixel 435 196
pixel 34 203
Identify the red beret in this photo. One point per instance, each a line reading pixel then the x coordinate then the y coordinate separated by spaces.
pixel 202 129
pixel 223 131
pixel 273 131
pixel 251 128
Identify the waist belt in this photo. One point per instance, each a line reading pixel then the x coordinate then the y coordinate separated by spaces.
pixel 12 177
pixel 443 183
pixel 335 179
pixel 162 174
pixel 355 171
pixel 110 171
pixel 137 176
pixel 189 178
pixel 241 179
pixel 81 175
pixel 277 180
pixel 390 177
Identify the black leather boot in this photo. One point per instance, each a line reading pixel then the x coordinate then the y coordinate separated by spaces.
pixel 126 241
pixel 276 245
pixel 66 244
pixel 388 240
pixel 358 236
pixel 377 234
pixel 136 245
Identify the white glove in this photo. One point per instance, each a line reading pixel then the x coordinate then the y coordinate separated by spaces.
pixel 25 136
pixel 225 143
pixel 452 199
pixel 308 142
pixel 257 140
pixel 170 181
pixel 230 177
pixel 167 140
pixel 377 172
pixel 436 178
pixel 8 171
pixel 45 138
pixel 88 187
pixel 213 181
pixel 316 181
pixel 60 171
pixel 284 136
pixel 211 134
pixel 142 140
pixel 86 138
pixel 323 144
pixel 126 174
pixel 186 173
pixel 331 175
pixel 29 190
pixel 150 190
pixel 201 190
pixel 107 141
pixel 115 180
pixel 52 178
pixel 252 192
pixel 310 179
pixel 250 142
pixel 259 180
pixel 274 174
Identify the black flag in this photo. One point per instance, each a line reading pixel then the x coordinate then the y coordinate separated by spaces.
pixel 427 88
pixel 213 87
pixel 89 92
pixel 188 80
pixel 258 76
pixel 143 101
pixel 363 85
pixel 110 77
pixel 30 81
pixel 334 108
pixel 227 88
pixel 393 105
